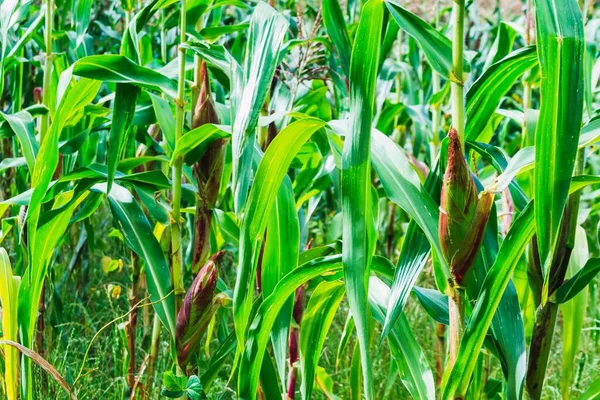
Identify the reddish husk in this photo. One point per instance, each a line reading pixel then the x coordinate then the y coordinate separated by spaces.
pixel 463 215
pixel 207 171
pixel 199 305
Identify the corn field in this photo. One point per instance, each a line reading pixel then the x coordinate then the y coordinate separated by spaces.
pixel 310 199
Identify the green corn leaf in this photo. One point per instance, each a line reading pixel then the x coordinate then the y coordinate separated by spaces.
pixel 192 146
pixel 267 30
pixel 590 133
pixel 346 335
pixel 74 100
pixel 8 163
pixel 325 383
pixel 520 162
pixel 412 363
pixel 212 33
pixel 218 56
pixel 81 18
pixel 120 69
pixel 434 303
pixel 436 47
pixel 122 117
pixel 33 28
pixel 279 259
pixel 260 328
pixel 9 292
pixel 139 237
pixel 269 175
pixel 128 164
pixel 268 378
pixel 130 40
pixel 333 19
pixel 356 176
pixel 23 126
pixel 166 119
pixel 318 317
pixel 592 392
pixel 560 50
pixel 356 387
pixel 507 323
pixel 218 360
pixel 503 44
pixel 52 226
pixel 578 282
pixel 573 312
pixel 484 97
pixel 7 9
pixel 258 334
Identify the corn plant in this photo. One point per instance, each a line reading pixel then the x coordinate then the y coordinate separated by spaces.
pixel 299 199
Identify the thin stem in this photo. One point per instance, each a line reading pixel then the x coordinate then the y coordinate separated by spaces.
pixel 176 251
pixel 457 74
pixel 154 348
pixel 47 67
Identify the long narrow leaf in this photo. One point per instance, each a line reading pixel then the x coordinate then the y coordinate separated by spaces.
pixel 267 29
pixel 269 175
pixel 561 48
pixel 356 176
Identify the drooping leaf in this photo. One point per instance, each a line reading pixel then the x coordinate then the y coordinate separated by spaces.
pixel 120 69
pixel 194 143
pixel 436 47
pixel 22 124
pixel 578 282
pixel 484 97
pixel 139 237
